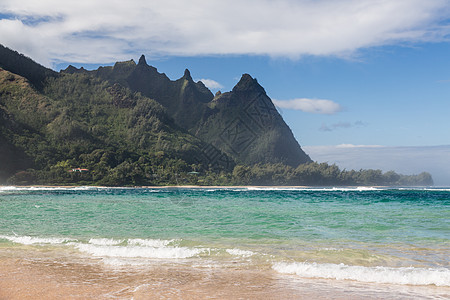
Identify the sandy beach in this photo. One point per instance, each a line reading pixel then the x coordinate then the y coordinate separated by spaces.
pixel 40 275
pixel 48 275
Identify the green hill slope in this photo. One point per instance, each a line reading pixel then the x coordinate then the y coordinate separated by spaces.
pixel 81 121
pixel 243 123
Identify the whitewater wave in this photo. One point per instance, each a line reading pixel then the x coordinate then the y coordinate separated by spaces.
pixel 432 189
pixel 389 275
pixel 150 242
pixel 138 248
pixel 358 188
pixel 239 252
pixel 48 188
pixel 105 242
pixel 240 189
pixel 30 240
pixel 316 189
pixel 139 251
pixel 128 248
pixel 116 248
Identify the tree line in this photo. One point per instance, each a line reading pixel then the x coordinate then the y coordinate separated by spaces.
pixel 155 170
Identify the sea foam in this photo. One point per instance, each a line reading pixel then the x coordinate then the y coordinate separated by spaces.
pixel 136 248
pixel 30 240
pixel 402 275
pixel 239 252
pixel 150 242
pixel 107 247
pixel 105 241
pixel 315 189
pixel 48 188
pixel 138 251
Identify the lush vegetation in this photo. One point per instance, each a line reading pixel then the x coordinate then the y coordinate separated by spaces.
pixel 24 66
pixel 322 174
pixel 79 128
pixel 153 171
pixel 80 121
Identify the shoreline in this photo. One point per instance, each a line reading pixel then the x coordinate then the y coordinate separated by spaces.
pixel 229 187
pixel 56 276
pixel 217 186
pixel 164 186
pixel 53 274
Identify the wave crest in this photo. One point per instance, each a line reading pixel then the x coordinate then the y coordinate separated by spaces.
pixel 30 240
pixel 402 275
pixel 138 251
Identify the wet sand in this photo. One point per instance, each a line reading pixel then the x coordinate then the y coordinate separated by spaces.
pixel 31 274
pixel 60 279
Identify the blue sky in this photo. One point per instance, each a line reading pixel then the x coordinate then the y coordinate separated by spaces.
pixel 344 74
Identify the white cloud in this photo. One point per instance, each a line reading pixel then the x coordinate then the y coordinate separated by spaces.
pixel 357 146
pixel 318 106
pixel 211 84
pixel 106 30
pixel 405 160
pixel 341 125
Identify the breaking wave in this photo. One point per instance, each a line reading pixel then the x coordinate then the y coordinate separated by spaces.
pixel 30 240
pixel 116 248
pixel 402 275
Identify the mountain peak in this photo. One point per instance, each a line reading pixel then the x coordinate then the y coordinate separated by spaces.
pixel 246 77
pixel 187 75
pixel 247 83
pixel 142 60
pixel 71 70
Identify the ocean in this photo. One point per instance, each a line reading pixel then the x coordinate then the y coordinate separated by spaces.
pixel 225 243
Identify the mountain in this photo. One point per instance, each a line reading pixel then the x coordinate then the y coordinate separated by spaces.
pixel 242 123
pixel 24 66
pixel 128 124
pixel 245 124
pixel 129 111
pixel 75 119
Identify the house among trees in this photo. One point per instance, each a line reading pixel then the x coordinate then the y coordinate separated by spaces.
pixel 78 170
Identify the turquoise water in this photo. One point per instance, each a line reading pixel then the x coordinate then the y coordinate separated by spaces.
pixel 399 236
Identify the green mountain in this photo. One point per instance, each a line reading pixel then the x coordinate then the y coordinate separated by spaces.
pixel 131 117
pixel 245 124
pixel 242 123
pixel 128 124
pixel 24 66
pixel 76 120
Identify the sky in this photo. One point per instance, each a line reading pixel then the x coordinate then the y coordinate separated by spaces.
pixel 361 83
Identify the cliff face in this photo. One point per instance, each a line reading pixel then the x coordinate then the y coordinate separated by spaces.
pixel 243 123
pixel 184 99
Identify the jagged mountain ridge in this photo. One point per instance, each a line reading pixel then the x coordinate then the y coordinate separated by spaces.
pixel 24 66
pixel 48 117
pixel 243 123
pixel 78 119
pixel 182 98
